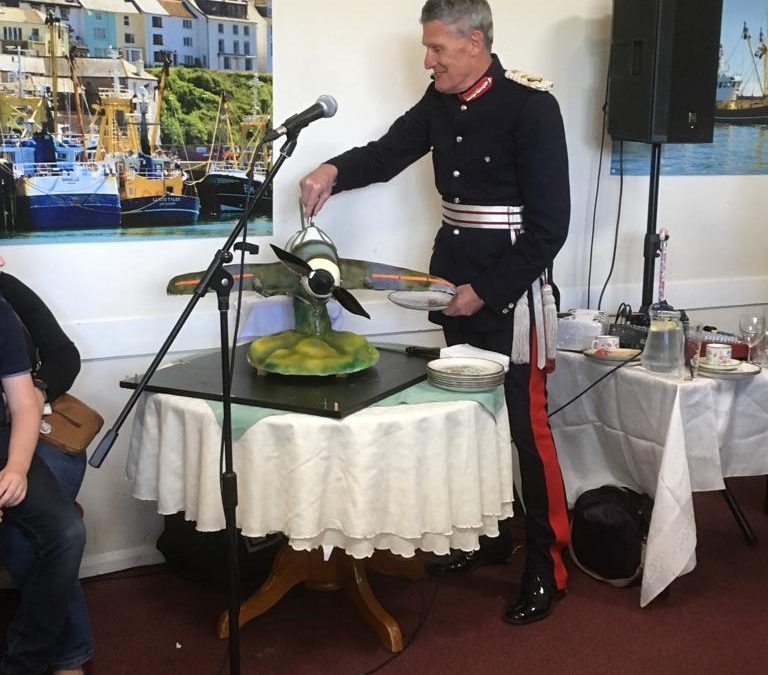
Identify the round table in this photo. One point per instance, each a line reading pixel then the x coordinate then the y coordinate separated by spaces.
pixel 430 476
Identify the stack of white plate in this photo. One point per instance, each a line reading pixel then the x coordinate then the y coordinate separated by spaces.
pixel 730 369
pixel 465 373
pixel 731 364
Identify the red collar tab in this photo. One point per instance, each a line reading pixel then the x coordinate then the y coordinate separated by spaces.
pixel 480 87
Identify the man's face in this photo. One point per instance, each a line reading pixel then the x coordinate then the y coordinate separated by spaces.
pixel 453 59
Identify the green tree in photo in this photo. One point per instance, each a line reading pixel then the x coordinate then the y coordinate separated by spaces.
pixel 191 102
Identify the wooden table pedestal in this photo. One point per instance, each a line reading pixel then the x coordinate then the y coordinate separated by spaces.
pixel 340 571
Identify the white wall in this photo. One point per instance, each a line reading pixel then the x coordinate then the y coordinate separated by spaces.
pixel 371 62
pixel 111 296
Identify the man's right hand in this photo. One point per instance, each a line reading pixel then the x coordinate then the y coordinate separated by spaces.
pixel 316 187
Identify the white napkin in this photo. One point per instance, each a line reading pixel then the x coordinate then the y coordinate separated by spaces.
pixel 475 352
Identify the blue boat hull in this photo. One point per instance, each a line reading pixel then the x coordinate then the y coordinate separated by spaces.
pixel 167 210
pixel 222 193
pixel 62 212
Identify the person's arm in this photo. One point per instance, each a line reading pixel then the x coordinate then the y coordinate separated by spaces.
pixel 59 357
pixel 316 187
pixel 541 158
pixel 377 162
pixel 25 413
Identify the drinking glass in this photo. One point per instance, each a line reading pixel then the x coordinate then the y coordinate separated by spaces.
pixel 764 362
pixel 694 336
pixel 752 329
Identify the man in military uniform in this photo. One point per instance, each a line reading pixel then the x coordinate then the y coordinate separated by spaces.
pixel 501 167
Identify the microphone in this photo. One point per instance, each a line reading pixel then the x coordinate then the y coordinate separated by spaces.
pixel 325 106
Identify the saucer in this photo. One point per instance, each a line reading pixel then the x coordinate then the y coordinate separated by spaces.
pixel 732 364
pixel 742 370
pixel 614 355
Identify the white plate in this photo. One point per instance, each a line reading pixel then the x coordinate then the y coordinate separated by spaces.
pixel 615 355
pixel 465 373
pixel 465 384
pixel 744 370
pixel 461 387
pixel 465 367
pixel 733 364
pixel 431 301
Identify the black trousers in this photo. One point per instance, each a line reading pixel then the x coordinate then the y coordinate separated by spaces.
pixel 50 520
pixel 543 495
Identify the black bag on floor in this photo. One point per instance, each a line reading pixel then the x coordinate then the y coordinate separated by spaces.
pixel 608 533
pixel 202 556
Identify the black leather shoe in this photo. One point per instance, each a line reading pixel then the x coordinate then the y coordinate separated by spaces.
pixel 536 601
pixel 464 562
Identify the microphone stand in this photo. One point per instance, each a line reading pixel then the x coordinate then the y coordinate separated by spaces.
pixel 218 278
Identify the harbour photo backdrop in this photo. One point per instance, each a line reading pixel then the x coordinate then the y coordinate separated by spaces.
pixel 740 142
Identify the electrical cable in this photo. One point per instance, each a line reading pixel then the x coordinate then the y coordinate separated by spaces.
pixel 597 189
pixel 597 381
pixel 426 610
pixel 618 221
pixel 223 665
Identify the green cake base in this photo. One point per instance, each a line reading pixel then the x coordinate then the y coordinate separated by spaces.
pixel 329 353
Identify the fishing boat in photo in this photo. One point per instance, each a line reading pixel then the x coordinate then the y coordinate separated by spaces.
pixel 227 188
pixel 54 188
pixel 151 184
pixel 744 100
pixel 728 83
pixel 236 169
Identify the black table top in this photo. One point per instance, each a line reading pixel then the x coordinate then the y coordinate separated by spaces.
pixel 330 396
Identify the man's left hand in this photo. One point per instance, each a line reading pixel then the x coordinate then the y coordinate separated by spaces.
pixel 465 302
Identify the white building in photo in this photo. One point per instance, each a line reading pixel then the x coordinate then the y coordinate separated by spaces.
pixel 169 26
pixel 235 34
pixel 231 35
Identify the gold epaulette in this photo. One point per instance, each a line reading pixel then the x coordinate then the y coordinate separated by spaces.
pixel 528 80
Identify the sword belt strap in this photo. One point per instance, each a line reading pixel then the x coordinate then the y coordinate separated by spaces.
pixel 483 217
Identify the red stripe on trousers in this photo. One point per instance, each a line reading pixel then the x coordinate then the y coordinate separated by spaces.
pixel 545 445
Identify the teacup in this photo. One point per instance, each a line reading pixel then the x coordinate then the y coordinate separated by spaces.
pixel 717 354
pixel 607 342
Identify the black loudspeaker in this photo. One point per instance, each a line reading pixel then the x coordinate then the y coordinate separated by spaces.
pixel 663 70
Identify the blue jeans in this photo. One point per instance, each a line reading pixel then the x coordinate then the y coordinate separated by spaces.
pixel 68 641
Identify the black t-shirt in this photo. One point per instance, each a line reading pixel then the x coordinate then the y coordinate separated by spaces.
pixel 58 356
pixel 14 358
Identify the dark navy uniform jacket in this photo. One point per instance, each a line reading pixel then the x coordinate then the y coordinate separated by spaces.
pixel 505 147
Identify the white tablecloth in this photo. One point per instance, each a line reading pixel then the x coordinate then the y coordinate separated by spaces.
pixel 664 437
pixel 431 476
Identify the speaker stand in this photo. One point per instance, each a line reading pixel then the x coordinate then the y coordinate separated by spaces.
pixel 652 245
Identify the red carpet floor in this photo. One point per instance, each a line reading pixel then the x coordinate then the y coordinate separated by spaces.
pixel 714 620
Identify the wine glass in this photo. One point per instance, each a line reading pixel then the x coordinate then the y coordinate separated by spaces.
pixel 752 329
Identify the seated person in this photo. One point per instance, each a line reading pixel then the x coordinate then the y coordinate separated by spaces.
pixel 57 365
